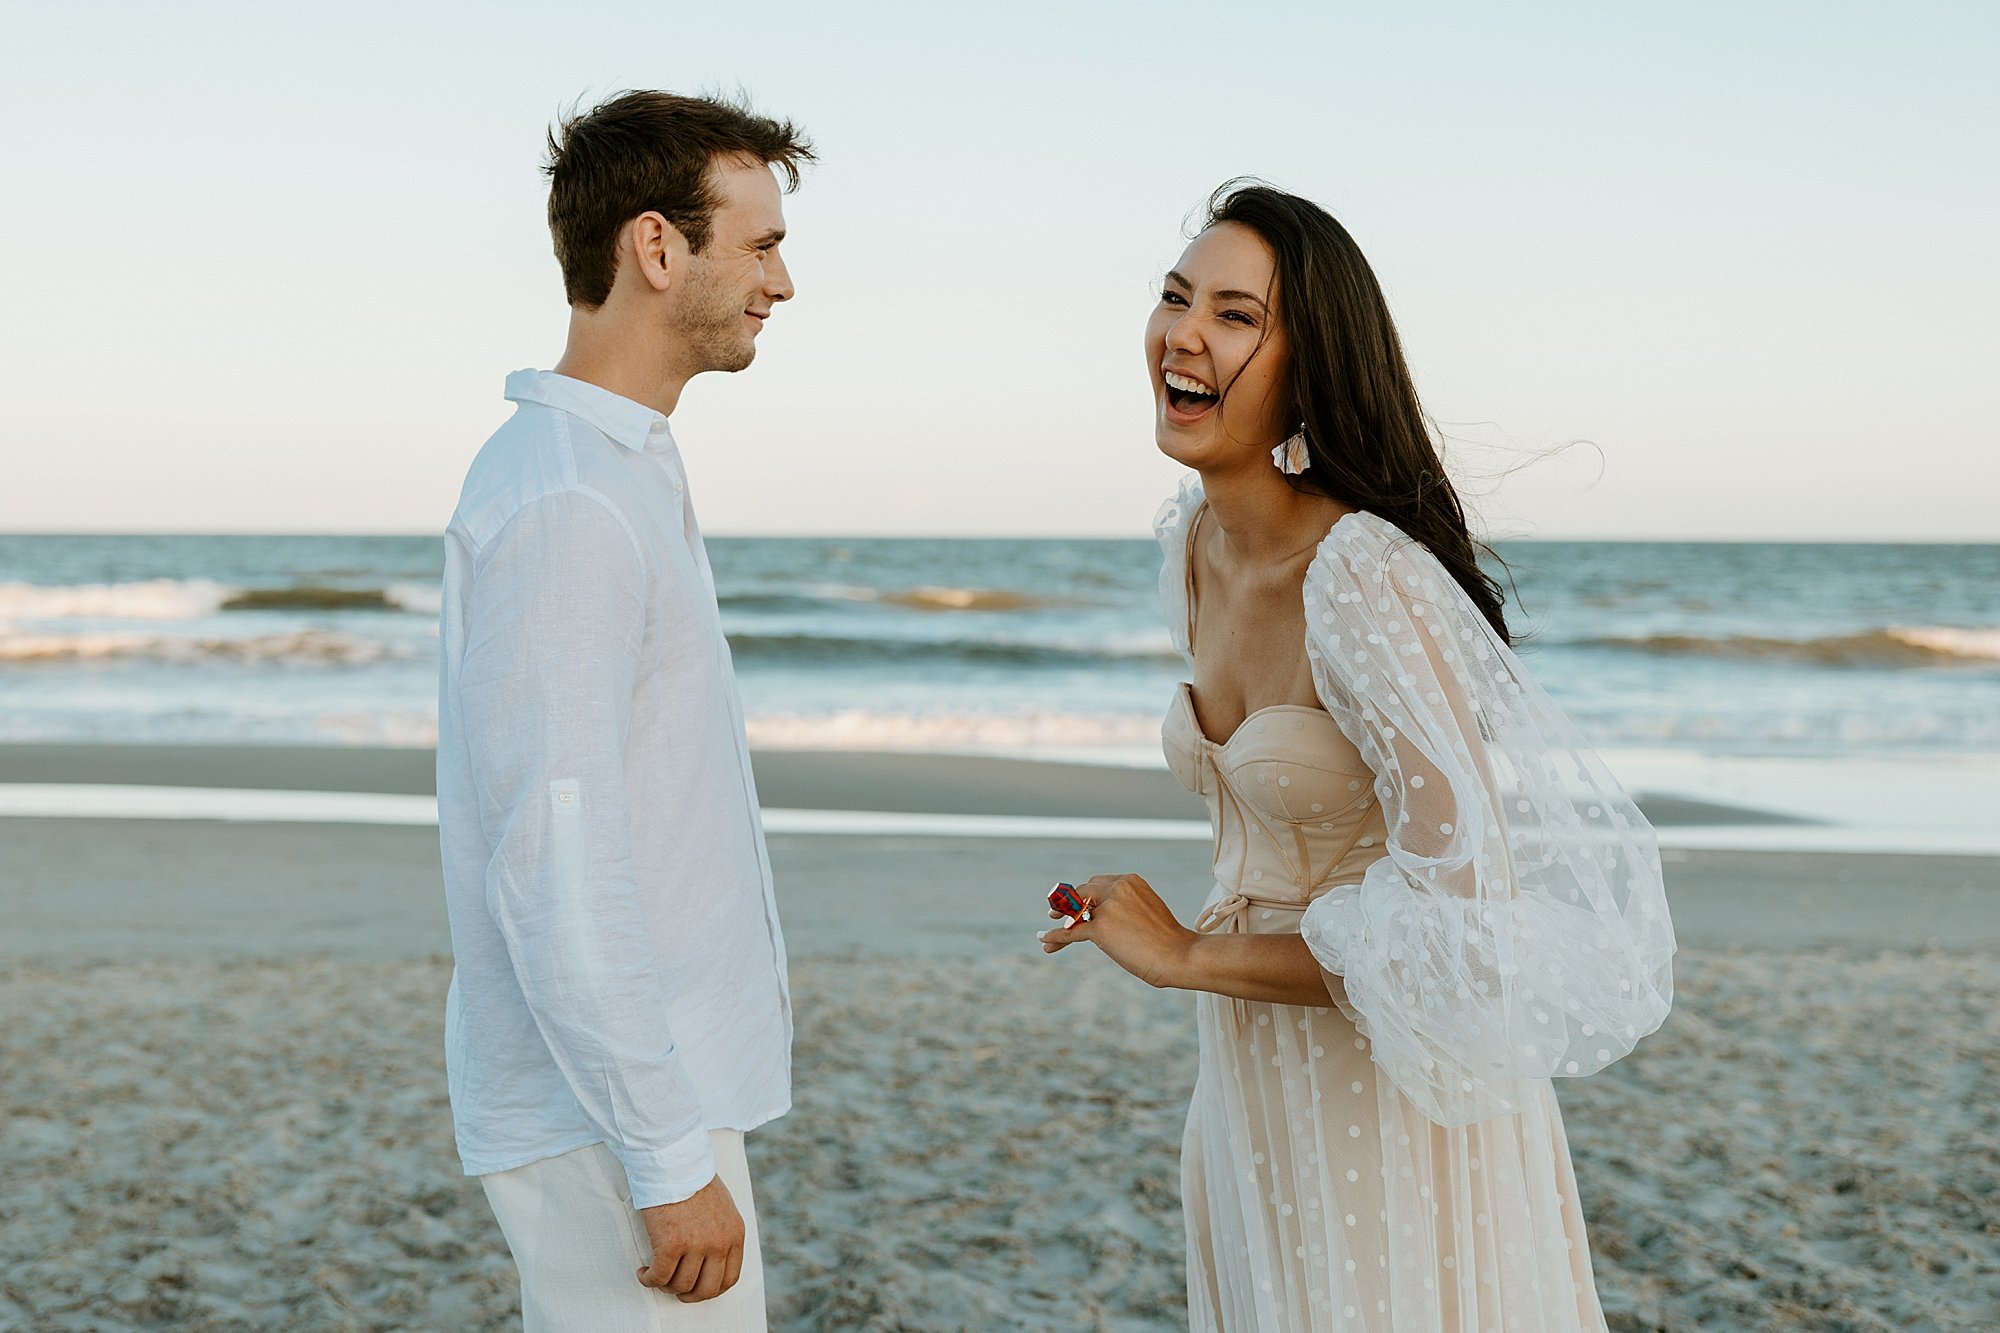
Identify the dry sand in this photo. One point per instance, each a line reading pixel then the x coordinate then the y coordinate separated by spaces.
pixel 222 1101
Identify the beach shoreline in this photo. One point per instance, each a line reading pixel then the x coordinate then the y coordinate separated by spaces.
pixel 1911 805
pixel 910 781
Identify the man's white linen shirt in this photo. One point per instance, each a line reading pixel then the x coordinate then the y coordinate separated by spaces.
pixel 620 974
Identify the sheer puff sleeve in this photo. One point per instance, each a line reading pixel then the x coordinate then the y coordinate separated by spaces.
pixel 1516 927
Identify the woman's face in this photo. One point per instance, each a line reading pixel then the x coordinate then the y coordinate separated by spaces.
pixel 1214 333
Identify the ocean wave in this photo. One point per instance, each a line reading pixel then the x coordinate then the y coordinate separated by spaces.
pixel 304 648
pixel 1955 642
pixel 810 597
pixel 415 598
pixel 421 599
pixel 1797 731
pixel 928 598
pixel 1895 646
pixel 765 649
pixel 391 728
pixel 308 597
pixel 1123 737
pixel 1131 737
pixel 191 599
pixel 154 599
pixel 968 599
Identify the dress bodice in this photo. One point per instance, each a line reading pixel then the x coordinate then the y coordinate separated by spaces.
pixel 1501 915
pixel 1292 805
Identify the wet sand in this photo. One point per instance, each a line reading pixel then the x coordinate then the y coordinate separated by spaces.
pixel 121 889
pixel 786 779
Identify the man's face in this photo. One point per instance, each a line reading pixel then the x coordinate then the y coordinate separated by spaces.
pixel 736 279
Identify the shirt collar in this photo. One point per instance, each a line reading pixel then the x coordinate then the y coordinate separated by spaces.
pixel 623 422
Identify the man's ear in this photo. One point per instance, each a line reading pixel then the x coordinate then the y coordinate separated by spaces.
pixel 657 250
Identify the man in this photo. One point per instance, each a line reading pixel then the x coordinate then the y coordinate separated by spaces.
pixel 618 1015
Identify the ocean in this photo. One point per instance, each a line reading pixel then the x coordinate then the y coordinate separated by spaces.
pixel 1046 647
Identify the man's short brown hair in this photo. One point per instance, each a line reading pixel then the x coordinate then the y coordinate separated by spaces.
pixel 649 152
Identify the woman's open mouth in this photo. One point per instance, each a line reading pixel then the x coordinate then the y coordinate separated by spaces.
pixel 1187 398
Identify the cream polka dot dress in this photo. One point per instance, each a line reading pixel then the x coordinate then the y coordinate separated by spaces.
pixel 1394 1159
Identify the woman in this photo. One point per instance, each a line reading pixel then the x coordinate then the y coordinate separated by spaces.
pixel 1430 896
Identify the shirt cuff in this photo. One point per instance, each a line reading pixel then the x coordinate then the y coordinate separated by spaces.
pixel 667 1175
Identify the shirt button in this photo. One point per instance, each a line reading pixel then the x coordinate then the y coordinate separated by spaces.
pixel 566 797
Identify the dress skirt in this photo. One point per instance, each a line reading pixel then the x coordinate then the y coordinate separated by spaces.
pixel 1319 1200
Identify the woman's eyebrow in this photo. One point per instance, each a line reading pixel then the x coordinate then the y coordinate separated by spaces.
pixel 1174 275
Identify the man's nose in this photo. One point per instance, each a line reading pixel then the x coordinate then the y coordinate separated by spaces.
pixel 777 279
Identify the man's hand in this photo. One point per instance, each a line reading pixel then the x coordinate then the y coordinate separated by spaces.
pixel 697 1244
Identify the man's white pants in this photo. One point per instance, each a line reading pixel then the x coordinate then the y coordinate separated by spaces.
pixel 579 1245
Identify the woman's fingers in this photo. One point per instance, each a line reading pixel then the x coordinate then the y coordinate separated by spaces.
pixel 1104 891
pixel 1061 937
pixel 1099 892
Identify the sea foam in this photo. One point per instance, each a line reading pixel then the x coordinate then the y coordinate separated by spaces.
pixel 153 599
pixel 1891 646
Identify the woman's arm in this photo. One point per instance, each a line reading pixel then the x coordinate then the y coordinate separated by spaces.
pixel 1140 933
pixel 1515 927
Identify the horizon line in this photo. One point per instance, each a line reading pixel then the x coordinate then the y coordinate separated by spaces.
pixel 1497 539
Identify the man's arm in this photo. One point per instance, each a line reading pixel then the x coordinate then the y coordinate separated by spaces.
pixel 554 633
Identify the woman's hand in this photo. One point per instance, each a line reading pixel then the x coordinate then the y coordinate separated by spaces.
pixel 1131 924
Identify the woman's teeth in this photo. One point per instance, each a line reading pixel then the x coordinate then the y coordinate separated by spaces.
pixel 1187 395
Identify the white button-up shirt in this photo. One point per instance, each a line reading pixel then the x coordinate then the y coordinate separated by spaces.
pixel 620 974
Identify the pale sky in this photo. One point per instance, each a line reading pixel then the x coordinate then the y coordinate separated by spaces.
pixel 264 266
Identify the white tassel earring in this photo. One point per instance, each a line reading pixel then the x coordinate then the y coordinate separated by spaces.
pixel 1291 456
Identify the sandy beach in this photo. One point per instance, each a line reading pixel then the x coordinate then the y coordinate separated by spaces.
pixel 222 1101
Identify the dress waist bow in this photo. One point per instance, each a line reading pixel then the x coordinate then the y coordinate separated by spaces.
pixel 1232 912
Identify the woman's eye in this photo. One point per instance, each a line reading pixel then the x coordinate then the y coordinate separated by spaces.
pixel 1171 298
pixel 1239 317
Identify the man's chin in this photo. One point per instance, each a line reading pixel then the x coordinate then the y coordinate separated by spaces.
pixel 735 356
pixel 725 350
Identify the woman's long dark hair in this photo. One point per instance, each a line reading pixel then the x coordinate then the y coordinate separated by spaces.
pixel 1368 439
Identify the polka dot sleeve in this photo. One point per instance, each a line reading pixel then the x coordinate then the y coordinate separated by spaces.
pixel 1516 927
